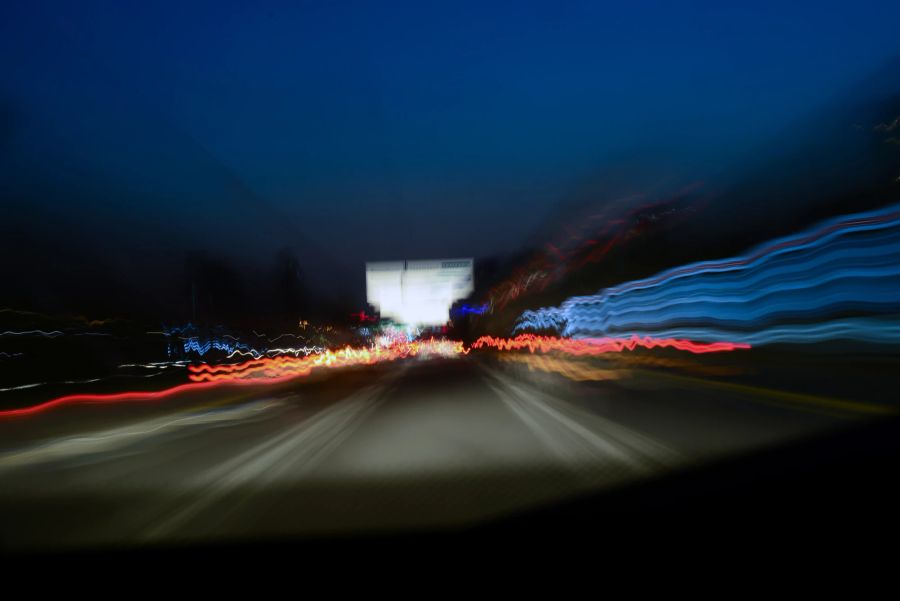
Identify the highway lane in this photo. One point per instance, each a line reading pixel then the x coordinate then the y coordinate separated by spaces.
pixel 406 445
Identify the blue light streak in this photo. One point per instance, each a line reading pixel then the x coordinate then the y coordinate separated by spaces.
pixel 798 288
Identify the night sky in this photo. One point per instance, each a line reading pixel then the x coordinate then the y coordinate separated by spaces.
pixel 133 133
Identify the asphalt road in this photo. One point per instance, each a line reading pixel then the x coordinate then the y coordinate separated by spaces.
pixel 390 448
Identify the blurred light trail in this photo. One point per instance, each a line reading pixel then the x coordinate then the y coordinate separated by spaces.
pixel 241 353
pixel 792 289
pixel 681 364
pixel 471 310
pixel 568 368
pixel 271 370
pixel 590 240
pixel 277 367
pixel 85 381
pixel 364 317
pixel 175 330
pixel 105 398
pixel 861 329
pixel 258 372
pixel 599 346
pixel 201 348
pixel 280 336
pixel 227 343
pixel 23 386
pixel 303 350
pixel 36 384
pixel 80 318
pixel 52 334
pixel 156 364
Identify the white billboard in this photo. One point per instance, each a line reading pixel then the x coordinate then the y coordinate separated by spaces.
pixel 418 293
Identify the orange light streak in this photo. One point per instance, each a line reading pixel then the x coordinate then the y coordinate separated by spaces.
pixel 599 346
pixel 274 370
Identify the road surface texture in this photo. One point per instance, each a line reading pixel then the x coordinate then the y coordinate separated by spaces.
pixel 390 448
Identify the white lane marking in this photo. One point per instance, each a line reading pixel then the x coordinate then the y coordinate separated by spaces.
pixel 605 437
pixel 540 431
pixel 106 440
pixel 324 425
pixel 574 417
pixel 260 464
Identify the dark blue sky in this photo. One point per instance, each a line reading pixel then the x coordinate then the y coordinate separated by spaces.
pixel 393 130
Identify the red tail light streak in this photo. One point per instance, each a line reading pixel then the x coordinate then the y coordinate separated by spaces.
pixel 599 346
pixel 274 370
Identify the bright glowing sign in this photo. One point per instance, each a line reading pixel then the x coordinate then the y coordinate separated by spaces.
pixel 418 293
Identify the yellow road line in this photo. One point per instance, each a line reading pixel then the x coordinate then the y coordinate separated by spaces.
pixel 794 398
